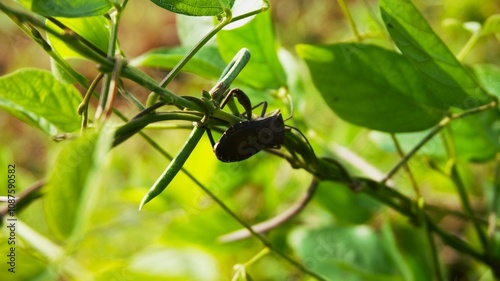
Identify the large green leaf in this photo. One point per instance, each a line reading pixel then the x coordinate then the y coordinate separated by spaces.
pixel 372 87
pixel 489 76
pixel 68 8
pixel 264 71
pixel 37 98
pixel 444 75
pixel 96 30
pixel 476 137
pixel 410 250
pixel 195 7
pixel 71 186
pixel 348 253
pixel 207 62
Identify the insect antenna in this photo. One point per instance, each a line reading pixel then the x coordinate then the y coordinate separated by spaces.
pixel 290 103
pixel 303 136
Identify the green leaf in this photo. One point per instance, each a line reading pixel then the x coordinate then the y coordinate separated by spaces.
pixel 477 137
pixel 68 8
pixel 190 30
pixel 410 250
pixel 38 99
pixel 206 63
pixel 34 266
pixel 96 30
pixel 195 7
pixel 444 75
pixel 71 186
pixel 489 76
pixel 491 25
pixel 264 71
pixel 63 72
pixel 349 253
pixel 372 87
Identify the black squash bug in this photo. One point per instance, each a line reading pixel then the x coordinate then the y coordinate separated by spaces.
pixel 246 138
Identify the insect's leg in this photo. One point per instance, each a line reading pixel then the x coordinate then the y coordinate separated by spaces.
pixel 210 137
pixel 229 100
pixel 290 108
pixel 264 108
pixel 242 99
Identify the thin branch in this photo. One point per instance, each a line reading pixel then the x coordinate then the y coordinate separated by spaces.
pixel 433 132
pixel 461 189
pixel 276 221
pixel 456 243
pixel 26 197
pixel 412 152
pixel 408 172
pixel 447 211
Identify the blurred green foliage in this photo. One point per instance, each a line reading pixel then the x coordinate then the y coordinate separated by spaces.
pixel 340 235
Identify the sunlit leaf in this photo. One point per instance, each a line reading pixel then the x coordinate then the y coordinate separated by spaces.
pixel 33 266
pixel 68 8
pixel 65 73
pixel 191 30
pixel 207 62
pixel 93 29
pixel 60 73
pixel 443 74
pixel 372 87
pixel 242 7
pixel 264 71
pixel 71 186
pixel 195 7
pixel 491 25
pixel 38 99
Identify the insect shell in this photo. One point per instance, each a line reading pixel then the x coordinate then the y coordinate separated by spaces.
pixel 247 138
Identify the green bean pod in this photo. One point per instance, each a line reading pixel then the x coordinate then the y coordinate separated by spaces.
pixel 174 167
